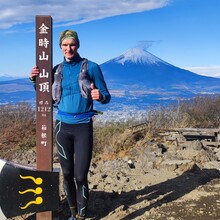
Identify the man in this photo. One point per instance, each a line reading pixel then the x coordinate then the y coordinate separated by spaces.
pixel 74 95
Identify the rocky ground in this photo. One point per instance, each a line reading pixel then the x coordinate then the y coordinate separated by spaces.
pixel 154 180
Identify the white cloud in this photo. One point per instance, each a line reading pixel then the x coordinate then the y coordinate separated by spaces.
pixel 70 12
pixel 213 71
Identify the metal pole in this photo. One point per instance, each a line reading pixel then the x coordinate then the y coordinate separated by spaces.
pixel 44 107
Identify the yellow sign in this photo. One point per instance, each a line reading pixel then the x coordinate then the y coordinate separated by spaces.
pixel 38 191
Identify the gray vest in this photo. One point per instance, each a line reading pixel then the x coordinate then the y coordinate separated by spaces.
pixel 84 82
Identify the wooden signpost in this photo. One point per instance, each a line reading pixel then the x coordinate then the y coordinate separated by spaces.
pixel 44 106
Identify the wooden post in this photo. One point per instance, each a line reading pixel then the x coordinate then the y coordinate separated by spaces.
pixel 44 107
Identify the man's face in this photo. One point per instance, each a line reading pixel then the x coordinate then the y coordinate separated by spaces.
pixel 69 48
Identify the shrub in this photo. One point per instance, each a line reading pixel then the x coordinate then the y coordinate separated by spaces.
pixel 105 136
pixel 198 112
pixel 17 128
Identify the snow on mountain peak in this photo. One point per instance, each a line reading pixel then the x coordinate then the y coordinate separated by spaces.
pixel 138 55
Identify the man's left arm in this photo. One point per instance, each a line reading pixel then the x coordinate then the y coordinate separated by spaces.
pixel 99 88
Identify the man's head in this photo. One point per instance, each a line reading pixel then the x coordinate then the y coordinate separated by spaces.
pixel 69 34
pixel 69 44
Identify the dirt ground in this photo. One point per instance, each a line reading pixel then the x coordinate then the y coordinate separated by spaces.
pixel 153 181
pixel 160 194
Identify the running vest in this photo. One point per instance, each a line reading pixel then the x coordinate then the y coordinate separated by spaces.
pixel 84 82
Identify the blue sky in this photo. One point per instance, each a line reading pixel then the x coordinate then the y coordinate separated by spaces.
pixel 184 33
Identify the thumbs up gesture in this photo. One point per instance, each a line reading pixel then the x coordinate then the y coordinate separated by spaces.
pixel 95 93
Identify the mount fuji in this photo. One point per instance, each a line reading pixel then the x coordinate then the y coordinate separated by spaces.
pixel 136 79
pixel 139 78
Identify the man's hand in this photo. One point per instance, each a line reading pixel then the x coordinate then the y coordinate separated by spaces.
pixel 95 93
pixel 34 72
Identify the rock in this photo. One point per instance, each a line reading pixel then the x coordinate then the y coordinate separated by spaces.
pixel 172 165
pixel 131 164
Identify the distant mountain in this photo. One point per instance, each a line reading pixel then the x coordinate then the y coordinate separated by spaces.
pixel 140 78
pixel 141 67
pixel 6 77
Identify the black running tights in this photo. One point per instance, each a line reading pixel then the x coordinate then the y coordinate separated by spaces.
pixel 74 145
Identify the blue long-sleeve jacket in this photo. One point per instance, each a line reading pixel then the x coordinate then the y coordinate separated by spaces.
pixel 73 107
